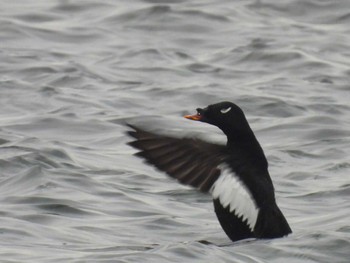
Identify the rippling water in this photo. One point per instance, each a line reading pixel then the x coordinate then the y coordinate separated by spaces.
pixel 73 72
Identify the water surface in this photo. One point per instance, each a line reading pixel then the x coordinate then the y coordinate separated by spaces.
pixel 72 74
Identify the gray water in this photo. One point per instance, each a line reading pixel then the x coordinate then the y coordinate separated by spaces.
pixel 72 73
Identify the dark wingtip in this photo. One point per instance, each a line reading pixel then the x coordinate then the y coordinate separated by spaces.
pixel 132 143
pixel 131 126
pixel 133 132
pixel 135 144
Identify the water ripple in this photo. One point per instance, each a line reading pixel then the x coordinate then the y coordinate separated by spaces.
pixel 72 74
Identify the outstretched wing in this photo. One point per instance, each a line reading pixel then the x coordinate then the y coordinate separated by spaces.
pixel 190 161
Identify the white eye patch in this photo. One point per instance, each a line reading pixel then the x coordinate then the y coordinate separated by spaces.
pixel 225 110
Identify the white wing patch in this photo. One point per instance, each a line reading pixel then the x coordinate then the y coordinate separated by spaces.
pixel 232 192
pixel 225 110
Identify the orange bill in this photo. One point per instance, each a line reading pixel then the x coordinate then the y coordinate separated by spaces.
pixel 195 117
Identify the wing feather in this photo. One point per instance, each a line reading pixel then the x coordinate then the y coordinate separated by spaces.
pixel 191 161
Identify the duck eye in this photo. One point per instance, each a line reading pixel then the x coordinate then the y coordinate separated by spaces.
pixel 225 110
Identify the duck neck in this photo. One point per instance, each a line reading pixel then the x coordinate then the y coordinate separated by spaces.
pixel 245 143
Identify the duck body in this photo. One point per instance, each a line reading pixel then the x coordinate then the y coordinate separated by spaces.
pixel 235 174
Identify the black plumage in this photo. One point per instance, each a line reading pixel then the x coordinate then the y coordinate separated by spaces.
pixel 236 174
